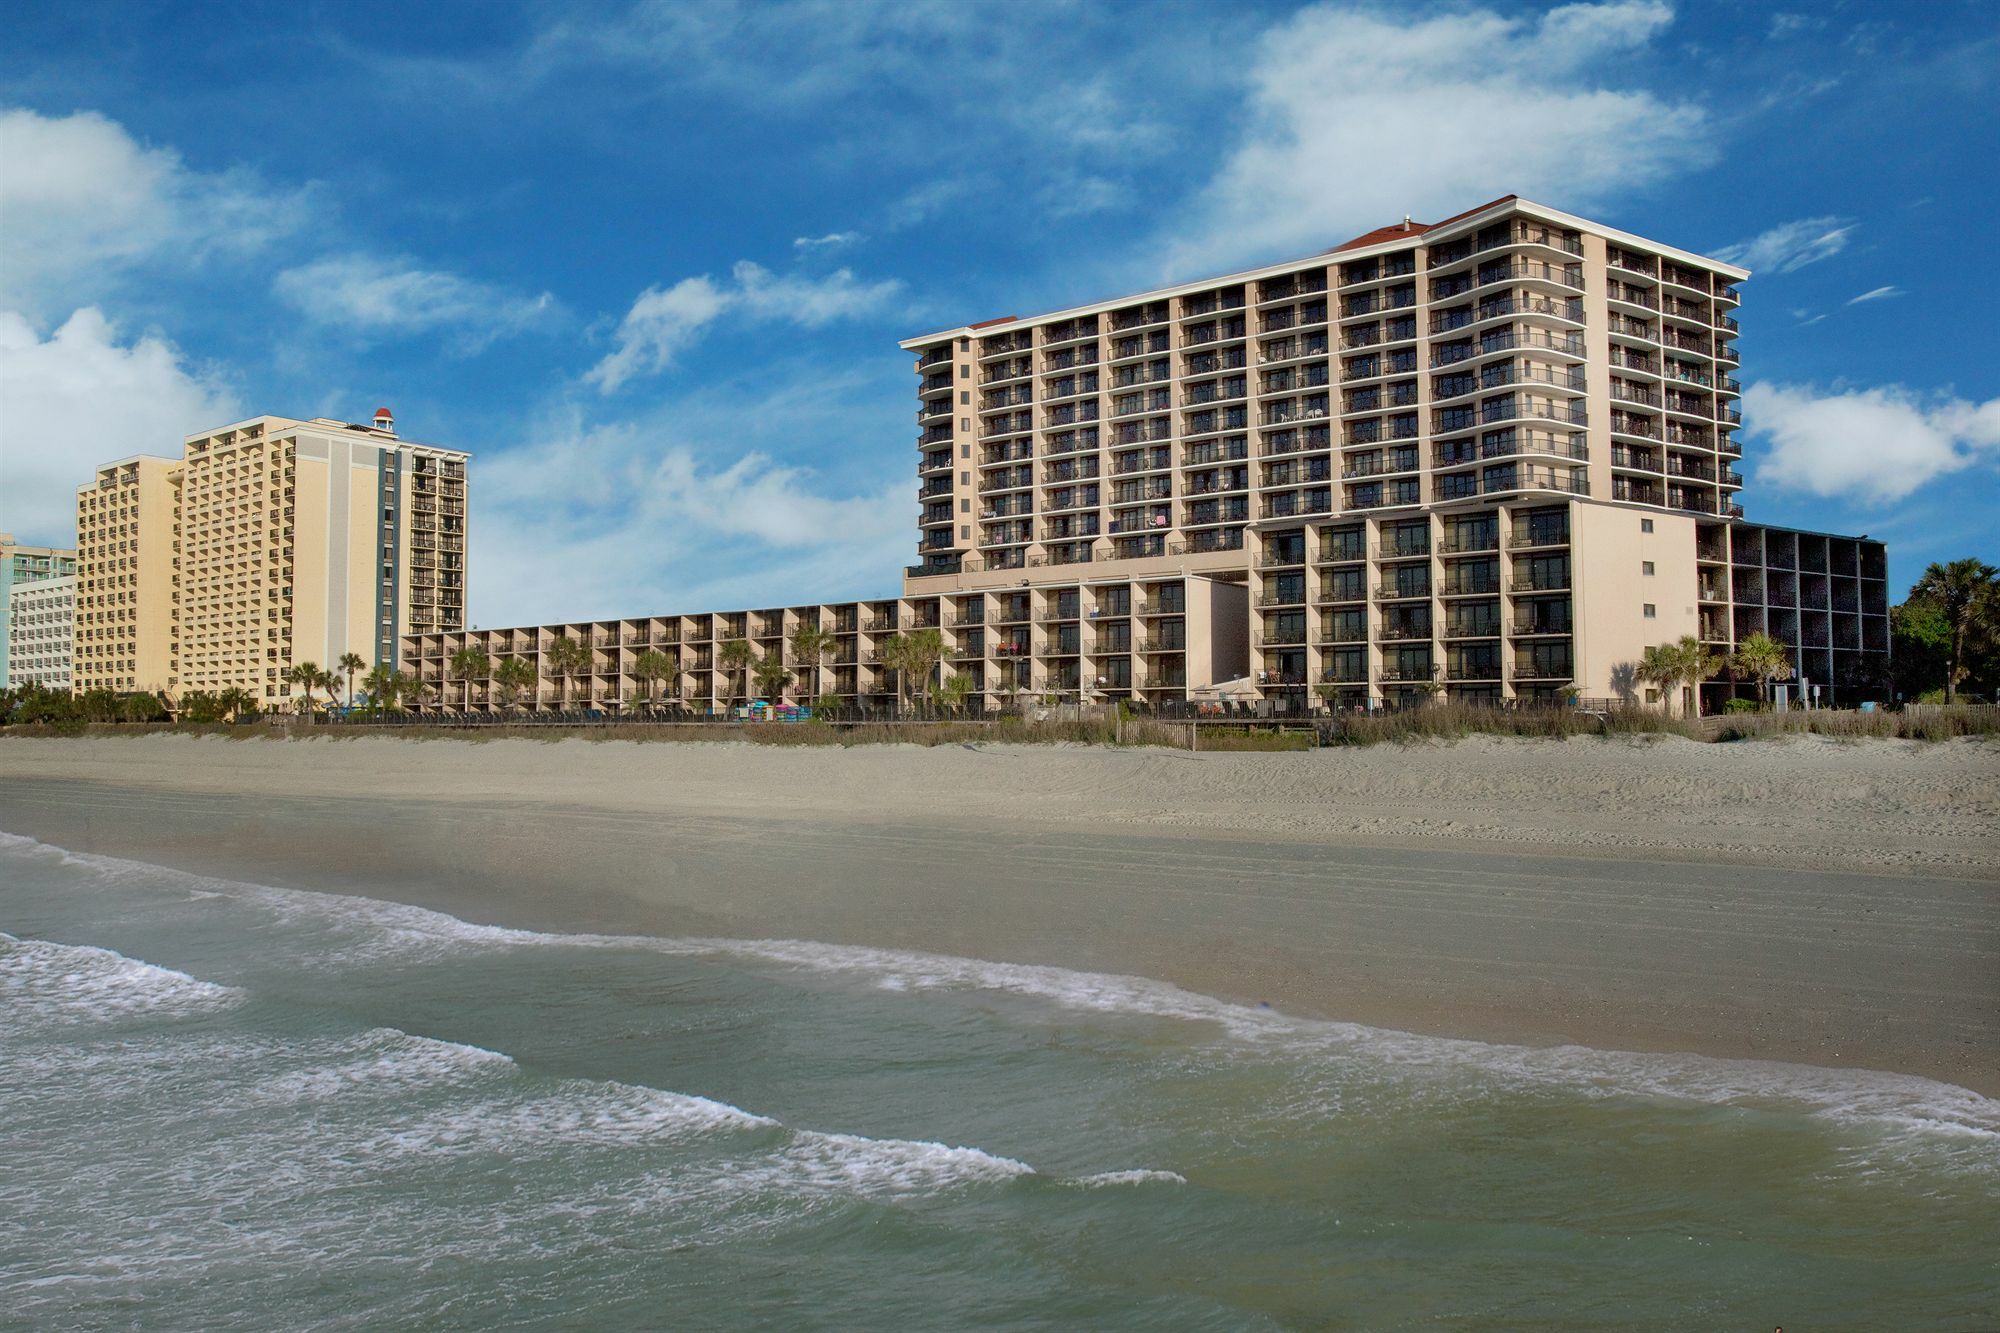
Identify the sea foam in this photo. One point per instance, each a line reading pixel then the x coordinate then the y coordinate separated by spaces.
pixel 43 983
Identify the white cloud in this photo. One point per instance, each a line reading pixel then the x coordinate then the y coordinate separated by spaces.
pixel 79 398
pixel 1879 294
pixel 81 202
pixel 368 296
pixel 1879 444
pixel 673 512
pixel 833 240
pixel 1790 245
pixel 1483 104
pixel 663 322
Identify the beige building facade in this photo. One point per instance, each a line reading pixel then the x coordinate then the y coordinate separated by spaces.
pixel 128 577
pixel 306 540
pixel 1012 646
pixel 270 542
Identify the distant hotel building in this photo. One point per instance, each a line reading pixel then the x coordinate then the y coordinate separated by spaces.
pixel 23 565
pixel 127 579
pixel 271 542
pixel 39 628
pixel 1492 457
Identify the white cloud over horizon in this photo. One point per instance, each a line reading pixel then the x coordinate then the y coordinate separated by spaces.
pixel 1879 294
pixel 79 398
pixel 370 296
pixel 82 202
pixel 1790 246
pixel 665 321
pixel 1868 444
pixel 1489 103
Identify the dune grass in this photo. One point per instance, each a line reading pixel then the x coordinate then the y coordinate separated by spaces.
pixel 1442 722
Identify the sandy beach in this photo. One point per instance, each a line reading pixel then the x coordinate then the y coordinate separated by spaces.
pixel 1834 903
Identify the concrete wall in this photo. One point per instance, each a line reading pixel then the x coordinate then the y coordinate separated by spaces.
pixel 1609 551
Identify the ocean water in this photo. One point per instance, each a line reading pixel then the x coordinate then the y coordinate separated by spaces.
pixel 234 1105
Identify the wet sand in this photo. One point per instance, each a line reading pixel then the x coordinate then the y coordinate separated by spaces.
pixel 1780 901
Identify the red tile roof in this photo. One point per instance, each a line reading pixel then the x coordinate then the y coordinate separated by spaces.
pixel 1413 229
pixel 1381 234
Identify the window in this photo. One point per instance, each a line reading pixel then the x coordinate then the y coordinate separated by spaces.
pixel 965 423
pixel 964 397
pixel 1646 568
pixel 965 372
pixel 964 533
pixel 1651 611
pixel 1652 696
pixel 965 506
pixel 1645 525
pixel 965 451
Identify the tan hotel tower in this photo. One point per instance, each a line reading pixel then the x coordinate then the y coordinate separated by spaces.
pixel 272 541
pixel 1493 455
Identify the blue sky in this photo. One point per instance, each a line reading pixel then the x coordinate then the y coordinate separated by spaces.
pixel 650 262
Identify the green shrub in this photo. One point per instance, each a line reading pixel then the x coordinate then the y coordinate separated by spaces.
pixel 1741 706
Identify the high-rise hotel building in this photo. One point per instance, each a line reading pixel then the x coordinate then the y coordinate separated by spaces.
pixel 1494 455
pixel 127 577
pixel 19 566
pixel 272 541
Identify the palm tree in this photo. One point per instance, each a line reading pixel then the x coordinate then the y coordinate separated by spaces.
pixel 954 692
pixel 513 677
pixel 925 650
pixel 810 645
pixel 351 662
pixel 1658 667
pixel 771 676
pixel 1682 663
pixel 651 667
pixel 1764 659
pixel 1697 664
pixel 310 677
pixel 894 654
pixel 565 659
pixel 468 664
pixel 232 703
pixel 380 682
pixel 735 656
pixel 1966 592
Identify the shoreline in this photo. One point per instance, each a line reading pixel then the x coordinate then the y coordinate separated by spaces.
pixel 1594 927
